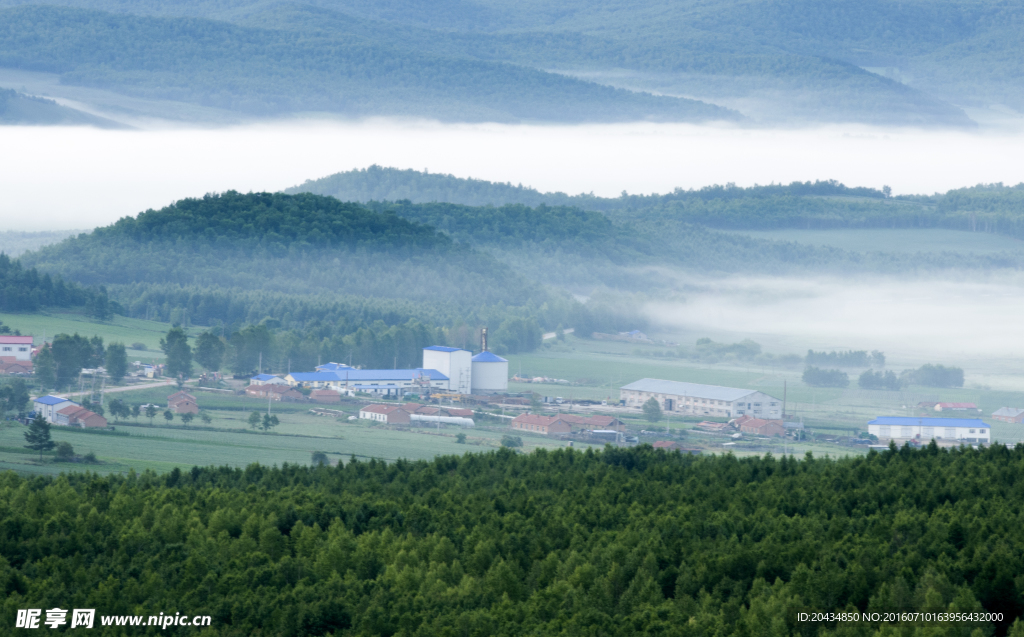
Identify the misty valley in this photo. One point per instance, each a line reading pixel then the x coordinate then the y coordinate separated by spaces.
pixel 477 318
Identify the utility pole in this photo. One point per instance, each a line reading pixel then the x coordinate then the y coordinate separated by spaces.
pixel 261 363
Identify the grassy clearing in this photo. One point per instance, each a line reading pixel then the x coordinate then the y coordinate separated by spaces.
pixel 119 328
pixel 901 240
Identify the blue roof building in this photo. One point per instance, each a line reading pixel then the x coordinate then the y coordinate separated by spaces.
pixel 442 348
pixel 954 430
pixel 392 382
pixel 332 367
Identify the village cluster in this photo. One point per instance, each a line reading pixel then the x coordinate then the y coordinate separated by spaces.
pixel 457 375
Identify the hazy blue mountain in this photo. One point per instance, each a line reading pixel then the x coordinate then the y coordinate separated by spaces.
pixel 20 109
pixel 912 62
pixel 270 72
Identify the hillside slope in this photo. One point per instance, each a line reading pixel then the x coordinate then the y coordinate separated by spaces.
pixel 275 72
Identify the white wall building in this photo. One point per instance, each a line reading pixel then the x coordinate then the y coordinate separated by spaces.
pixel 48 406
pixel 17 348
pixel 970 430
pixel 702 400
pixel 490 374
pixel 455 363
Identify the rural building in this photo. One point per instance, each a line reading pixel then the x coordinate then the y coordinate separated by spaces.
pixel 594 422
pixel 48 406
pixel 489 373
pixel 544 425
pixel 716 427
pixel 77 416
pixel 15 367
pixel 182 403
pixel 381 382
pixel 332 367
pixel 16 348
pixel 908 427
pixel 1008 414
pixel 760 426
pixel 453 362
pixel 701 400
pixel 324 396
pixel 15 354
pixel 391 414
pixel 267 379
pixel 956 407
pixel 274 392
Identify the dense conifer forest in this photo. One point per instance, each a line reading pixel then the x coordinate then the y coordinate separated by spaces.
pixel 619 542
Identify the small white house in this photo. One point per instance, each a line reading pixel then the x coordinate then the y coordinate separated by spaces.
pixel 968 430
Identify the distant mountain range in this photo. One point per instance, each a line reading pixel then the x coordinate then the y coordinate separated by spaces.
pixel 914 62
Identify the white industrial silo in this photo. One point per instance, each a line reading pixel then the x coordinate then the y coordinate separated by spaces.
pixel 490 374
pixel 454 363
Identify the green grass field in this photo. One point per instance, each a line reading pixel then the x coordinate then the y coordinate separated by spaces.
pixel 228 439
pixel 901 240
pixel 119 328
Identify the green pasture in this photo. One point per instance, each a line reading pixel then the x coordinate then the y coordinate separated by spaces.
pixel 900 240
pixel 119 328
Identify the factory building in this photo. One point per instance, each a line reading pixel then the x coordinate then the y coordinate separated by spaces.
pixel 454 363
pixel 393 383
pixel 694 399
pixel 489 373
pixel 909 427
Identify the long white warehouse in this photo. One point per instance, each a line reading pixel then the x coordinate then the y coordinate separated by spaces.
pixel 701 400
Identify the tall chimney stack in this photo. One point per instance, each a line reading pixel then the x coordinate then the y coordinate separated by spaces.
pixel 483 339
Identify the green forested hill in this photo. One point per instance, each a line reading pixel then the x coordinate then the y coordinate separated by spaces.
pixel 825 204
pixel 272 72
pixel 288 244
pixel 621 542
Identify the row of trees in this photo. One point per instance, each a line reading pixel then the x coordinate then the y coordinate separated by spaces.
pixel 58 364
pixel 927 375
pixel 851 358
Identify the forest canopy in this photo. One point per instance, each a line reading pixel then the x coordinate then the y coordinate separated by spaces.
pixel 620 542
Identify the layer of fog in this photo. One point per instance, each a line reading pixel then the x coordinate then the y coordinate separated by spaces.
pixel 79 177
pixel 966 321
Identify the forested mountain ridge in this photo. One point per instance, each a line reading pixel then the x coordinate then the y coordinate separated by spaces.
pixel 823 204
pixel 880 62
pixel 270 72
pixel 619 542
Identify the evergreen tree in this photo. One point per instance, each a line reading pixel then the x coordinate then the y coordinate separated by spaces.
pixel 168 416
pixel 254 419
pixel 136 410
pixel 209 351
pixel 38 436
pixel 179 355
pixel 151 412
pixel 45 368
pixel 652 410
pixel 13 396
pixel 117 361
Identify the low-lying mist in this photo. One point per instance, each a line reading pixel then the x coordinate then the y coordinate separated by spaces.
pixel 966 321
pixel 56 177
